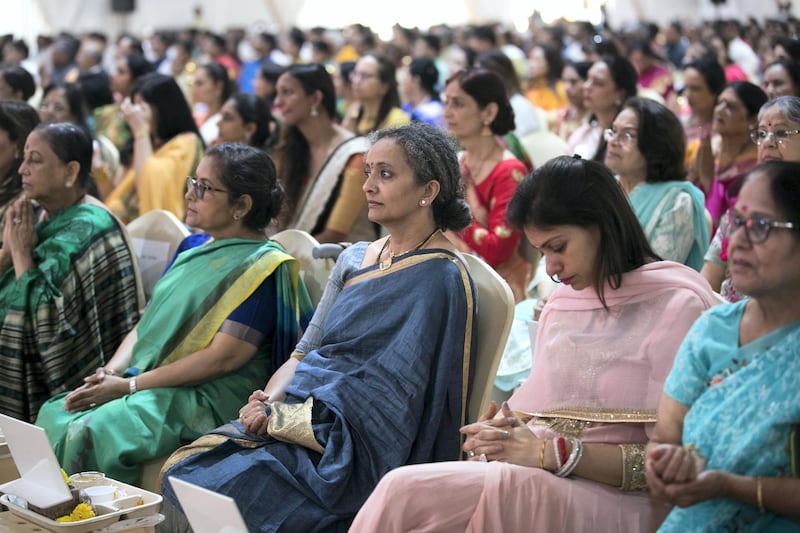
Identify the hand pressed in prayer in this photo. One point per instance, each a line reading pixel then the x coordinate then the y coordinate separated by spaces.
pixel 97 389
pixel 253 416
pixel 19 233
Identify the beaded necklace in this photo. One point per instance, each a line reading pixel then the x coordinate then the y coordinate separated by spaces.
pixel 387 263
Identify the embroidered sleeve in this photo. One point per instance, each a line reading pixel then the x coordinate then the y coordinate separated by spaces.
pixel 633 467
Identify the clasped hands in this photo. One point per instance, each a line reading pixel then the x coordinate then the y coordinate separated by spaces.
pixel 504 438
pixel 677 475
pixel 97 389
pixel 253 416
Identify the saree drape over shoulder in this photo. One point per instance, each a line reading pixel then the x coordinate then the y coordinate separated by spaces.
pixel 189 304
pixel 672 215
pixel 743 411
pixel 65 316
pixel 596 375
pixel 386 387
pixel 334 198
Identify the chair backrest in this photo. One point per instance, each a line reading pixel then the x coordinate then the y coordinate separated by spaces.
pixel 495 314
pixel 314 272
pixel 155 235
pixel 543 146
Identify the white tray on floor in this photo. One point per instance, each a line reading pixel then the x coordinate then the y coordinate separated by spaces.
pixel 108 514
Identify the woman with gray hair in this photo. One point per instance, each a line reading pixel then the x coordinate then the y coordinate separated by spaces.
pixel 394 326
pixel 778 139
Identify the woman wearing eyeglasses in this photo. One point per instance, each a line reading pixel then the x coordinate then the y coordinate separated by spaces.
pixel 646 149
pixel 374 84
pixel 777 139
pixel 223 317
pixel 725 448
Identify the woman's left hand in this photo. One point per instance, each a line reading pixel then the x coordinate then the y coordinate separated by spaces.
pixel 19 233
pixel 707 485
pixel 97 389
pixel 253 416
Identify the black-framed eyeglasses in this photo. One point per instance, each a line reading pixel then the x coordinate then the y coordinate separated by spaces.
pixel 624 137
pixel 780 136
pixel 200 188
pixel 756 229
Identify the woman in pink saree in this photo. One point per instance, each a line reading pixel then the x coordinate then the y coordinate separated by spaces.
pixel 566 453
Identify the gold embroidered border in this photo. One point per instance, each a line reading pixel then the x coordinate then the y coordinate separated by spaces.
pixel 633 478
pixel 600 415
pixel 292 423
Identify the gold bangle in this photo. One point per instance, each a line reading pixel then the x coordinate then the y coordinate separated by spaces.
pixel 760 494
pixel 541 454
pixel 297 355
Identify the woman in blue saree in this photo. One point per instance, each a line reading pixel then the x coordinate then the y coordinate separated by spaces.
pixel 379 379
pixel 221 320
pixel 724 450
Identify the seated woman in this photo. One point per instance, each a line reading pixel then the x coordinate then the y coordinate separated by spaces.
pixel 200 346
pixel 569 456
pixel 69 286
pixel 17 119
pixel 369 338
pixel 477 113
pixel 724 450
pixel 418 89
pixel 246 118
pixel 777 120
pixel 212 88
pixel 719 170
pixel 646 149
pixel 374 83
pixel 320 163
pixel 166 149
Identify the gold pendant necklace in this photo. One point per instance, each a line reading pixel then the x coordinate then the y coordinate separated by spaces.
pixel 386 264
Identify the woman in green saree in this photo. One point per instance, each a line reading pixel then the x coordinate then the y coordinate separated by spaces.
pixel 69 288
pixel 223 317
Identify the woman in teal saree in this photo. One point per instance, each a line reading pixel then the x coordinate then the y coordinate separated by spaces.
pixel 222 318
pixel 724 450
pixel 379 379
pixel 69 287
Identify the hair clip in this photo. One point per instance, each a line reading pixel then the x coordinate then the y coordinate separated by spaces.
pixel 577 156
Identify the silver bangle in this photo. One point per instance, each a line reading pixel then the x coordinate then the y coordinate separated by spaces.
pixel 574 458
pixel 132 386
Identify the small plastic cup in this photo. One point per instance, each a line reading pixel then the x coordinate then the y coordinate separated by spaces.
pixel 82 480
pixel 101 493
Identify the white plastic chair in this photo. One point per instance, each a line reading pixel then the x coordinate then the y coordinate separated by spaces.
pixel 314 272
pixel 543 146
pixel 155 235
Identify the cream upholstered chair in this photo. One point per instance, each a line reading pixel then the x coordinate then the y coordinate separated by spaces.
pixel 155 235
pixel 495 314
pixel 314 272
pixel 542 146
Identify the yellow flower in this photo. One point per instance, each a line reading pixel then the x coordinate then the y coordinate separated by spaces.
pixel 82 511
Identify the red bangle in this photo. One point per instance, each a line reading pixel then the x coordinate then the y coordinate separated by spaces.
pixel 562 451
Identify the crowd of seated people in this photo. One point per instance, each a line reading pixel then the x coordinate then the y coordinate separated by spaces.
pixel 408 152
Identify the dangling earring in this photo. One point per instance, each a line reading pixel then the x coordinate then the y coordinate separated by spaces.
pixel 423 203
pixel 314 111
pixel 486 131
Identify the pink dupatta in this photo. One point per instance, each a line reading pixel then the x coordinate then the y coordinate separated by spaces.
pixel 601 365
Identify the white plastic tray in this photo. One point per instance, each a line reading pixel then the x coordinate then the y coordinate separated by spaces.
pixel 108 514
